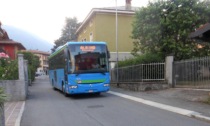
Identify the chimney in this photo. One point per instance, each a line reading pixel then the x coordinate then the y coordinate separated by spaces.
pixel 128 4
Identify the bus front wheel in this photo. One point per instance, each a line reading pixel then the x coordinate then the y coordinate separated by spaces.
pixel 98 93
pixel 64 91
pixel 53 85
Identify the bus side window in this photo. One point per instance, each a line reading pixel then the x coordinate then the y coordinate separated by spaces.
pixel 69 62
pixel 108 54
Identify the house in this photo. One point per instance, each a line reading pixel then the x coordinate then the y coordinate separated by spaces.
pixel 202 33
pixel 3 54
pixel 100 25
pixel 43 58
pixel 9 46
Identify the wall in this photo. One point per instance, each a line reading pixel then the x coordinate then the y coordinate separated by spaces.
pixel 103 27
pixel 10 50
pixel 88 28
pixel 15 89
pixel 106 31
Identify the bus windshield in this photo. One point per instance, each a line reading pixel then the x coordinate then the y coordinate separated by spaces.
pixel 88 58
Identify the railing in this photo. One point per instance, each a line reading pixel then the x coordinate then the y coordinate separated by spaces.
pixel 139 73
pixel 193 73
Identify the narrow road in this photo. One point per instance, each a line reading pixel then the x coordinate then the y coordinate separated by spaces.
pixel 48 107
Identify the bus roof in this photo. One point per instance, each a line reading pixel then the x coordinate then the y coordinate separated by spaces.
pixel 60 48
pixel 73 43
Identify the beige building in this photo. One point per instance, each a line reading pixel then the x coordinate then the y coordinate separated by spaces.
pixel 100 25
pixel 43 58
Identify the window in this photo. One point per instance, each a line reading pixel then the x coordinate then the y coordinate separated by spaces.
pixel 91 36
pixel 85 30
pixel 91 23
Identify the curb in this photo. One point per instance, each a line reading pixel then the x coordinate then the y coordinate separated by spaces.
pixel 201 117
pixel 207 90
pixel 173 109
pixel 17 122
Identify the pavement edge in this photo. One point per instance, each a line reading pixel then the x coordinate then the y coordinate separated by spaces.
pixel 17 122
pixel 177 110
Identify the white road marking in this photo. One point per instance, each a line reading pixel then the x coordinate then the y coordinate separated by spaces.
pixel 17 122
pixel 10 115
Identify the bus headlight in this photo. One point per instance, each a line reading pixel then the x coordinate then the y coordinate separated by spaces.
pixel 106 85
pixel 73 86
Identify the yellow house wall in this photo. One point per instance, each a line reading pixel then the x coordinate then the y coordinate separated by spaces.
pixel 103 27
pixel 106 31
pixel 88 28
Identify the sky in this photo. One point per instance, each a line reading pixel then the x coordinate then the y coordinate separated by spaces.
pixel 46 18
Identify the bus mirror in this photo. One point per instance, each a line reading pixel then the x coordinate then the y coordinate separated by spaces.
pixel 108 53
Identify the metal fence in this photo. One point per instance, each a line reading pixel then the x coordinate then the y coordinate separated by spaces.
pixel 139 73
pixel 193 73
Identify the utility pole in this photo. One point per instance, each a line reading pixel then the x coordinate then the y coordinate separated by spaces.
pixel 117 42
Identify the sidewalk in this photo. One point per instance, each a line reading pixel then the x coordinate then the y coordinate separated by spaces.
pixel 13 112
pixel 186 99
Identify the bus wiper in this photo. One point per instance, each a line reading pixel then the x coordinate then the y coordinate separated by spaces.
pixel 103 73
pixel 78 73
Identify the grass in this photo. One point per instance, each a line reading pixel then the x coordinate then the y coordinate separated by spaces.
pixel 207 101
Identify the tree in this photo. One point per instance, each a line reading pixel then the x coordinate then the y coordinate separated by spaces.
pixel 33 63
pixel 163 27
pixel 68 32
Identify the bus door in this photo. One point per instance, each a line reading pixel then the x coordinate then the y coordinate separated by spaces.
pixel 55 76
pixel 67 64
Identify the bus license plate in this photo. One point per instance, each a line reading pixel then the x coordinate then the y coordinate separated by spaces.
pixel 90 91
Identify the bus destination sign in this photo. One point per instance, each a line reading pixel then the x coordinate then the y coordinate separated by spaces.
pixel 87 48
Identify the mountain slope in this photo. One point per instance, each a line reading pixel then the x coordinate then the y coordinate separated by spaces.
pixel 28 40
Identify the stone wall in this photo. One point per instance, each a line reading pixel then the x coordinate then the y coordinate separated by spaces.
pixel 15 89
pixel 142 86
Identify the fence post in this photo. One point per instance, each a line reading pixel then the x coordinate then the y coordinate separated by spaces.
pixel 169 69
pixel 21 67
pixel 22 77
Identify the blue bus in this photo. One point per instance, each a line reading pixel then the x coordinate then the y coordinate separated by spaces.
pixel 80 67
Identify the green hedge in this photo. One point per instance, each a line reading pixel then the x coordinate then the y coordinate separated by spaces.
pixel 8 69
pixel 33 64
pixel 142 59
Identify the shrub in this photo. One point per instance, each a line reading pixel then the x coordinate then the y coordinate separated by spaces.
pixel 8 69
pixel 33 64
pixel 208 100
pixel 142 59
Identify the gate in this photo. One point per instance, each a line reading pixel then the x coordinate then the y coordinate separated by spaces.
pixel 192 73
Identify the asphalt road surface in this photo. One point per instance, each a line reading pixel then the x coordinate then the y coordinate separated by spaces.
pixel 48 107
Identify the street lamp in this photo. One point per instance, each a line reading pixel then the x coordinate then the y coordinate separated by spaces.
pixel 116 41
